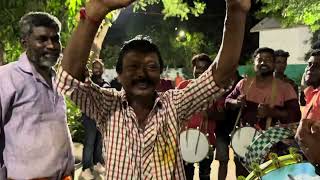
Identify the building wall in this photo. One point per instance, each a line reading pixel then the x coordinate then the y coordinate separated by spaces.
pixel 294 40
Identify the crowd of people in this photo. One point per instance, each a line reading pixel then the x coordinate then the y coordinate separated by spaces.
pixel 133 126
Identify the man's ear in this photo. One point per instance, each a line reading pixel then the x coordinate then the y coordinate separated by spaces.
pixel 23 42
pixel 119 78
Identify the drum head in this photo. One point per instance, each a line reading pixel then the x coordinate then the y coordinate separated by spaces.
pixel 261 146
pixel 194 146
pixel 301 171
pixel 290 169
pixel 242 138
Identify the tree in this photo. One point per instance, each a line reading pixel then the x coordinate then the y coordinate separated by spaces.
pixel 67 12
pixel 293 12
pixel 174 8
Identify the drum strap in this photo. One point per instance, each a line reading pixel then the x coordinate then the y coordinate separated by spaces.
pixel 272 103
pixel 246 91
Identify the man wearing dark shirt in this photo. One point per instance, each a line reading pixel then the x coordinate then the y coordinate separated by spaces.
pixel 281 58
pixel 211 117
pixel 92 150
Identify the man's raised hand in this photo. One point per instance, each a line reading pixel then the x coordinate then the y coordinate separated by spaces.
pixel 98 9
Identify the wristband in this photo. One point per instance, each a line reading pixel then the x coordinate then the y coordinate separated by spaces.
pixel 83 16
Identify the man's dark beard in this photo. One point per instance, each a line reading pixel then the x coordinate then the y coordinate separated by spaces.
pixel 143 80
pixel 96 78
pixel 312 82
pixel 266 74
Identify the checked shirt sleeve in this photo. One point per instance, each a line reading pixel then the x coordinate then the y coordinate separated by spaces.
pixel 197 96
pixel 92 100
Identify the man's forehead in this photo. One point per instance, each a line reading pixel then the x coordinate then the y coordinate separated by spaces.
pixel 264 54
pixel 314 58
pixel 280 58
pixel 44 31
pixel 96 64
pixel 137 55
pixel 202 63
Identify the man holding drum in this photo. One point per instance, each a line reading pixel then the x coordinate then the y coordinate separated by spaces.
pixel 206 121
pixel 264 96
pixel 261 99
pixel 140 126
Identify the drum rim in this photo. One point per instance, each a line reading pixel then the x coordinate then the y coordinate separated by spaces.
pixel 201 134
pixel 268 166
pixel 231 139
pixel 249 155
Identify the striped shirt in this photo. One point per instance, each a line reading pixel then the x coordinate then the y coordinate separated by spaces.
pixel 129 152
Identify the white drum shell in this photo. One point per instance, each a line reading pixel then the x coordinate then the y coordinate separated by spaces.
pixel 242 138
pixel 188 146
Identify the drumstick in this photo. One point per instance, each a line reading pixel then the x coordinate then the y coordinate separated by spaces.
pixel 241 109
pixel 291 177
pixel 205 119
pixel 197 142
pixel 237 120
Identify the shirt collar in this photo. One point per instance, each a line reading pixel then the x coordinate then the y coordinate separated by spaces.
pixel 124 101
pixel 25 65
pixel 310 89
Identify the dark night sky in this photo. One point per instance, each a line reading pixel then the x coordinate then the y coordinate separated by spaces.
pixel 210 23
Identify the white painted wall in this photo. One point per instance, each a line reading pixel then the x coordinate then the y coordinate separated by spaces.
pixel 294 40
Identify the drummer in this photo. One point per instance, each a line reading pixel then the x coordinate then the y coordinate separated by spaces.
pixel 264 96
pixel 312 79
pixel 211 117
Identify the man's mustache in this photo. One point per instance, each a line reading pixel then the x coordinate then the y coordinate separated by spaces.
pixel 144 80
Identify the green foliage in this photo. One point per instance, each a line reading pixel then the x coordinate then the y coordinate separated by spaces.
pixel 13 50
pixel 293 12
pixel 109 55
pixel 74 121
pixel 67 13
pixel 174 8
pixel 175 53
pixel 14 10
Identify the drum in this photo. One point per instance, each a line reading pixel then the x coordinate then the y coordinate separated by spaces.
pixel 194 145
pixel 260 147
pixel 241 139
pixel 288 167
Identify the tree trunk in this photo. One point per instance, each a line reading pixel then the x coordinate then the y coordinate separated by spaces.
pixel 101 34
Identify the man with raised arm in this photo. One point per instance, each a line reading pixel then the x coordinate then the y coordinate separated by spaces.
pixel 140 126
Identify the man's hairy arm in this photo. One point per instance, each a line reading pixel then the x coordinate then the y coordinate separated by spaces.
pixel 78 48
pixel 228 56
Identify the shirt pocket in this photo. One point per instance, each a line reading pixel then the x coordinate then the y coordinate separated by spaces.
pixel 47 139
